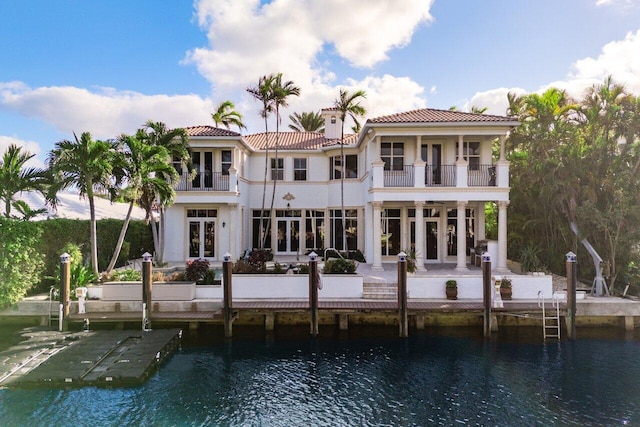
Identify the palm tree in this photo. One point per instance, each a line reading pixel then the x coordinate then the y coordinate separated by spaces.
pixel 262 92
pixel 176 141
pixel 87 165
pixel 145 169
pixel 347 104
pixel 280 91
pixel 308 121
pixel 479 110
pixel 15 178
pixel 226 115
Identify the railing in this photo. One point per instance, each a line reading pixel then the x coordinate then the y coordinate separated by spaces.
pixel 440 176
pixel 204 181
pixel 399 178
pixel 481 176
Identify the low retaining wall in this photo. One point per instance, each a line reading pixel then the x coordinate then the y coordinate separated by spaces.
pixel 160 291
pixel 433 287
pixel 295 286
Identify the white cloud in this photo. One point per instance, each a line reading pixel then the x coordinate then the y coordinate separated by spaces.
pixel 30 147
pixel 104 112
pixel 495 100
pixel 433 90
pixel 248 39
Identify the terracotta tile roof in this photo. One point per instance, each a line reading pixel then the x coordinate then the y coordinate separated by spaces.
pixel 209 131
pixel 296 140
pixel 430 115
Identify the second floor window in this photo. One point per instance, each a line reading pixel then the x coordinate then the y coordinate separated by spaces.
pixel 471 153
pixel 351 167
pixel 299 169
pixel 277 169
pixel 226 161
pixel 392 154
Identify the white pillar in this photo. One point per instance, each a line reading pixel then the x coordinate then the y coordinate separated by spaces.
pixel 481 223
pixel 462 237
pixel 377 236
pixel 420 246
pixel 502 236
pixel 232 231
pixel 502 138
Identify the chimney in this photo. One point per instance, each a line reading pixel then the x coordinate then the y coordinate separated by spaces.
pixel 332 123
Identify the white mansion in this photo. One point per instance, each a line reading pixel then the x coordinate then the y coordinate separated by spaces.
pixel 414 180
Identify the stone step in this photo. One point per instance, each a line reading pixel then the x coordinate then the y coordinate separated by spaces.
pixel 380 291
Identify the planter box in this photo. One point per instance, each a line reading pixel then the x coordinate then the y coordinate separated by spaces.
pixel 160 291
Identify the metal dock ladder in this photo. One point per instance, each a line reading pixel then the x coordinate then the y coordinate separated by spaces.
pixel 551 322
pixel 54 313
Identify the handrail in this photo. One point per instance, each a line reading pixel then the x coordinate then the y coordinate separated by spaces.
pixel 331 249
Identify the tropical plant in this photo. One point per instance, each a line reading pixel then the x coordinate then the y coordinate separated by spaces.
pixel 145 171
pixel 176 141
pixel 347 104
pixel 21 263
pixel 16 178
pixel 126 275
pixel 339 266
pixel 307 121
pixel 226 115
pixel 450 284
pixel 196 269
pixel 479 110
pixel 86 165
pixel 25 210
pixel 505 283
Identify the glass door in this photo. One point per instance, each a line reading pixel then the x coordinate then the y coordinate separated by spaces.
pixel 431 241
pixel 202 239
pixel 288 239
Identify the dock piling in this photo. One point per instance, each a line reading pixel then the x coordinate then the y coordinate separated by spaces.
pixel 486 293
pixel 227 268
pixel 402 295
pixel 313 292
pixel 147 284
pixel 65 290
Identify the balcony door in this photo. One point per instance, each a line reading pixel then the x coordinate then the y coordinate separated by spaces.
pixel 433 172
pixel 432 239
pixel 288 232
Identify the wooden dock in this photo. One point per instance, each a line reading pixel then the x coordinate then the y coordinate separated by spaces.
pixel 116 357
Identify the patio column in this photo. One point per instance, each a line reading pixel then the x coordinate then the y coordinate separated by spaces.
pixel 233 237
pixel 377 236
pixel 502 236
pixel 462 168
pixel 461 234
pixel 420 247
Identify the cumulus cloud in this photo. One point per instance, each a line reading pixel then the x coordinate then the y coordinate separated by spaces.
pixel 105 112
pixel 495 100
pixel 30 147
pixel 248 38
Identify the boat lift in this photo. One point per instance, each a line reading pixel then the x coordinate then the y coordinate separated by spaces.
pixel 599 287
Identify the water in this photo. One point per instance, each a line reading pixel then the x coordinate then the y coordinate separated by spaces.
pixel 429 379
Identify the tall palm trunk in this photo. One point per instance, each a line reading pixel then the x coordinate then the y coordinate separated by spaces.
pixel 161 228
pixel 275 180
pixel 263 236
pixel 93 232
pixel 344 169
pixel 123 233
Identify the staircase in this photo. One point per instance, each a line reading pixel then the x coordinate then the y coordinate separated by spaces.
pixel 380 290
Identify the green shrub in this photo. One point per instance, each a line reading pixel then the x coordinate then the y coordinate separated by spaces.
pixel 126 275
pixel 339 266
pixel 21 264
pixel 197 270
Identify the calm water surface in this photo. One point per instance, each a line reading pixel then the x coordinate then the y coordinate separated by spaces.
pixel 429 379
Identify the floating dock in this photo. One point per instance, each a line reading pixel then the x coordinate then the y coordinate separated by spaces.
pixel 116 357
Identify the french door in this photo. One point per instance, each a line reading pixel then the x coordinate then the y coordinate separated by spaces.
pixel 432 240
pixel 202 239
pixel 288 237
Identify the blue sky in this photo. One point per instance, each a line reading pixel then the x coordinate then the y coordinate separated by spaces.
pixel 108 66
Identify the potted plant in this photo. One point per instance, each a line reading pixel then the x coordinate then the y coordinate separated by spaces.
pixel 451 289
pixel 505 289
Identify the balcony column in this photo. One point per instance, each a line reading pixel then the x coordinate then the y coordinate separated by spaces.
pixel 461 234
pixel 233 180
pixel 502 167
pixel 377 236
pixel 502 236
pixel 461 165
pixel 420 246
pixel 377 179
pixel 418 165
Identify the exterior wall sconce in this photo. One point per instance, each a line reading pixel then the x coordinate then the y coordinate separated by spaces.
pixel 223 224
pixel 333 120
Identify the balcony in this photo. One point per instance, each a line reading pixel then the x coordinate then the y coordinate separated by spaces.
pixel 204 181
pixel 442 176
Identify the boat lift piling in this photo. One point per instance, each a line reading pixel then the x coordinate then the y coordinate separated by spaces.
pixel 571 295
